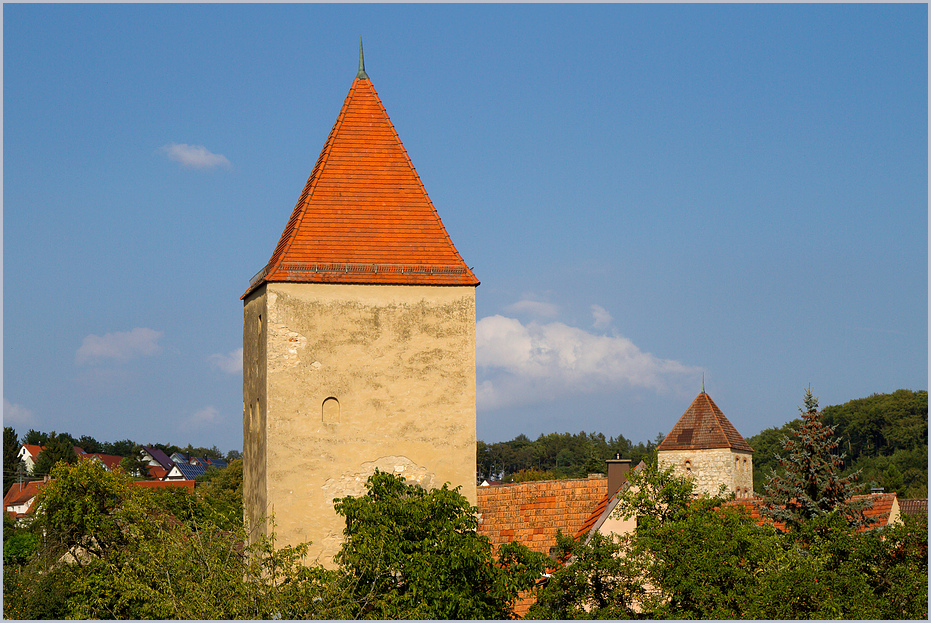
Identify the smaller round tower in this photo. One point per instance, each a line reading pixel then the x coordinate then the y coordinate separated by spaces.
pixel 705 445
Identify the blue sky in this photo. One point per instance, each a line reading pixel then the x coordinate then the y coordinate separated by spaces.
pixel 650 194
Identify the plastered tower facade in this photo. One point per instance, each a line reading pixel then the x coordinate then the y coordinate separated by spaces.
pixel 358 339
pixel 705 446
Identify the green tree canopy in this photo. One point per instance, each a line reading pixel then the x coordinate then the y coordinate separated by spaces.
pixel 413 553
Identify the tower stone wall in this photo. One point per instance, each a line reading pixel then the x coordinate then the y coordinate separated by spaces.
pixel 341 379
pixel 710 468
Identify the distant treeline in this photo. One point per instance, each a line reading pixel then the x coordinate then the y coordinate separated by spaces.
pixel 555 456
pixel 885 436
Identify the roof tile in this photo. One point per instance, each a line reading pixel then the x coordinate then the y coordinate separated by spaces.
pixel 703 426
pixel 364 215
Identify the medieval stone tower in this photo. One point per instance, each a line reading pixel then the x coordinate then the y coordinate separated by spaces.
pixel 705 445
pixel 358 339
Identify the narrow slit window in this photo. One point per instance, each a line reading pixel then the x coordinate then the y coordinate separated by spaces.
pixel 331 411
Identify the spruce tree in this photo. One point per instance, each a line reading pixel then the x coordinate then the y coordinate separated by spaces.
pixel 57 448
pixel 11 460
pixel 811 484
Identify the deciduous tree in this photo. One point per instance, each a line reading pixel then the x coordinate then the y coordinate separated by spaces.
pixel 413 553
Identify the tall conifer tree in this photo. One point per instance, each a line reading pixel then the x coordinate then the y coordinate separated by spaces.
pixel 811 485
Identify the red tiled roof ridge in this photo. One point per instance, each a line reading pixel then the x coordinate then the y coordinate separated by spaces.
pixel 878 511
pixel 364 215
pixel 596 516
pixel 704 426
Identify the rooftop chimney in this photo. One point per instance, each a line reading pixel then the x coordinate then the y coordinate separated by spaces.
pixel 617 472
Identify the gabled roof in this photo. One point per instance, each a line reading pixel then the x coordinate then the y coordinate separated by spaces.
pixel 33 450
pixel 22 492
pixel 190 472
pixel 157 471
pixel 532 512
pixel 364 215
pixel 110 461
pixel 702 427
pixel 605 506
pixel 158 456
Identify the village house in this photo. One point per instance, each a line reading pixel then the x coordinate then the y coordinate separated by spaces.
pixel 29 454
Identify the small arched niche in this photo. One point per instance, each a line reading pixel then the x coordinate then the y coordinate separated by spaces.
pixel 330 411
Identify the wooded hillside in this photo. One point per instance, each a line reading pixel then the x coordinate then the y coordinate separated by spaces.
pixel 884 435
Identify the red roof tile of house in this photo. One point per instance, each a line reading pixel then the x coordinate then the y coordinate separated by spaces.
pixel 532 512
pixel 914 506
pixel 157 472
pixel 21 493
pixel 33 449
pixel 703 426
pixel 364 215
pixel 600 511
pixel 884 508
pixel 110 460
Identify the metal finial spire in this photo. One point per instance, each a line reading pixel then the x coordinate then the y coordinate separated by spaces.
pixel 361 75
pixel 703 382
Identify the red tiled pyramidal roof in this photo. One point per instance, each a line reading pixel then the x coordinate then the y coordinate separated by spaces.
pixel 703 426
pixel 364 215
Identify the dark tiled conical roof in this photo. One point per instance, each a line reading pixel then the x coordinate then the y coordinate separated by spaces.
pixel 702 427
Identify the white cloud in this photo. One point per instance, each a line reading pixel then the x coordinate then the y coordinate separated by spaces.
pixel 16 415
pixel 524 364
pixel 120 345
pixel 201 419
pixel 533 308
pixel 601 316
pixel 195 156
pixel 231 363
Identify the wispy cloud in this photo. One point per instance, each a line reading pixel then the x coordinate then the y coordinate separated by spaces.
pixel 231 362
pixel 119 346
pixel 525 364
pixel 194 156
pixel 16 415
pixel 202 419
pixel 601 317
pixel 533 308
